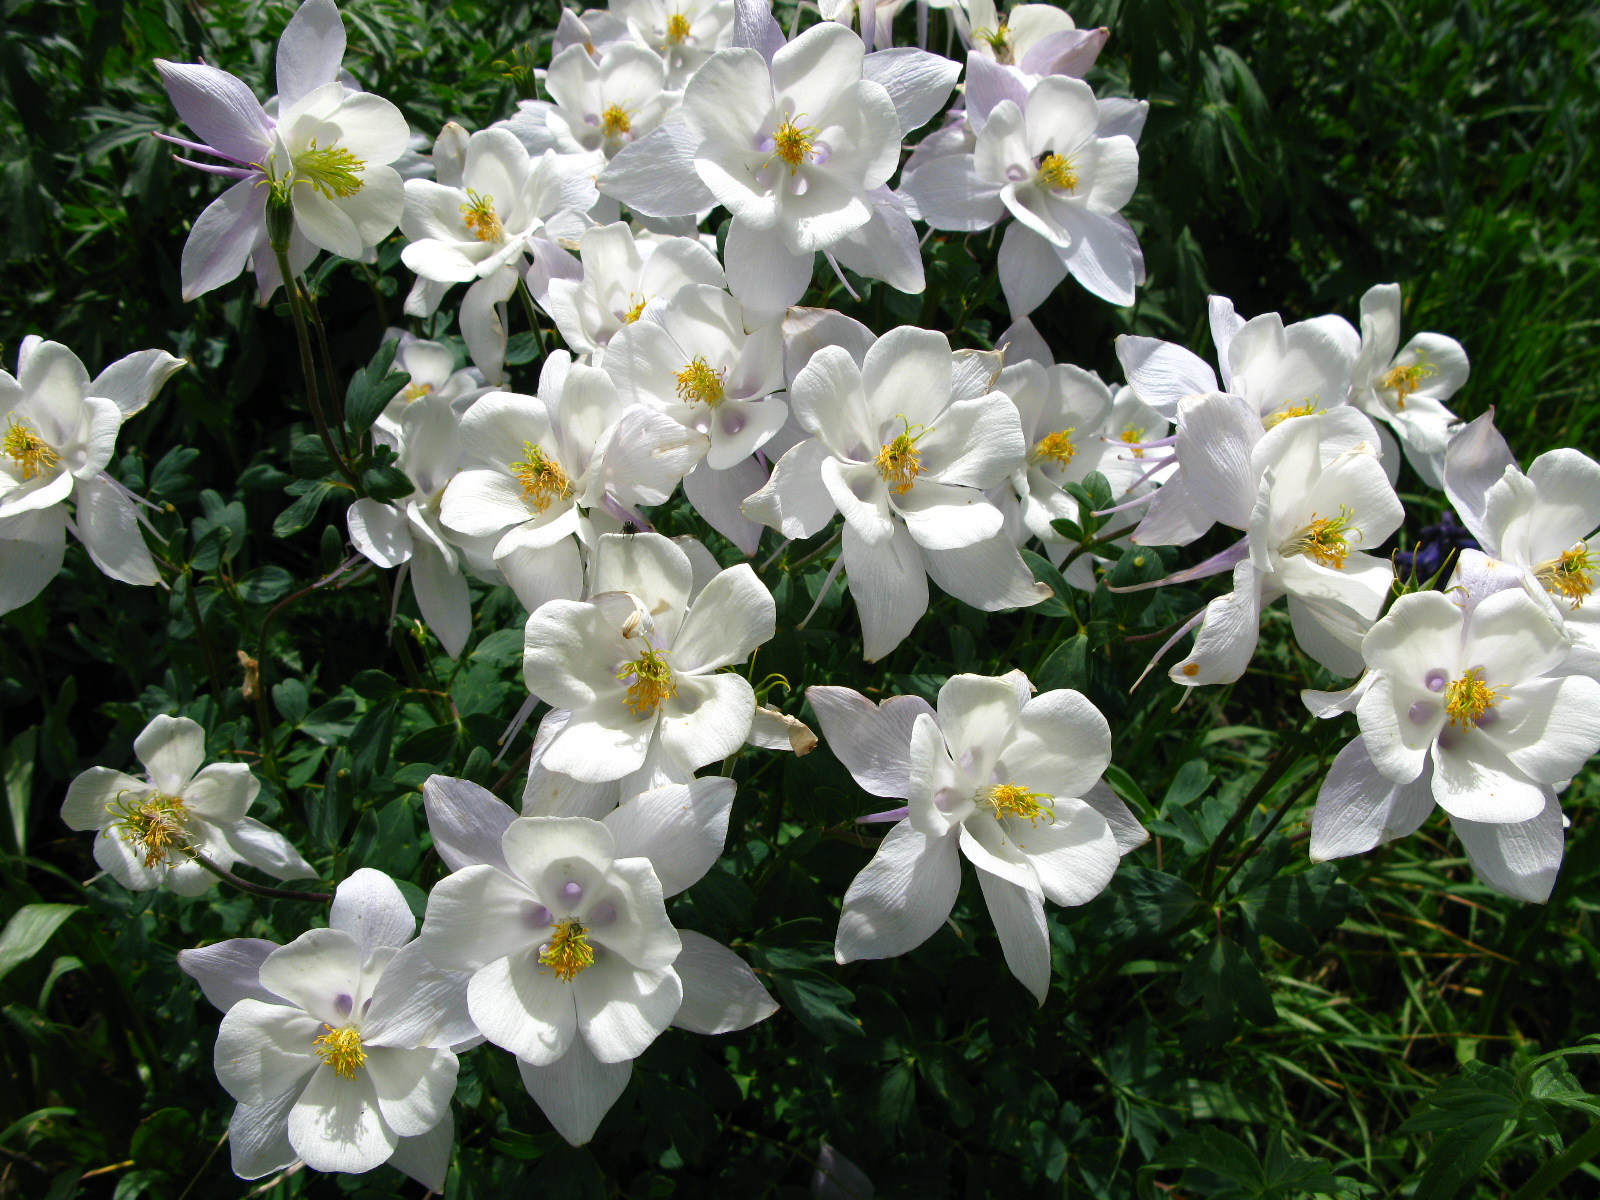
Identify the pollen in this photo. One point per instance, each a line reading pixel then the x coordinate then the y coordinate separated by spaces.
pixel 1056 172
pixel 677 29
pixel 792 143
pixel 154 824
pixel 542 479
pixel 699 384
pixel 1134 434
pixel 899 461
pixel 615 121
pixel 652 682
pixel 341 1050
pixel 634 310
pixel 332 170
pixel 1306 408
pixel 568 952
pixel 415 391
pixel 1014 800
pixel 1326 540
pixel 1571 576
pixel 30 451
pixel 1468 698
pixel 1057 447
pixel 478 212
pixel 1405 380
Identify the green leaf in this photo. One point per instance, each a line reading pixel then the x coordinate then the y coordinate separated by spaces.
pixel 369 741
pixel 372 387
pixel 500 649
pixel 1067 666
pixel 1218 1152
pixel 1292 909
pixel 17 768
pixel 1140 905
pixel 386 483
pixel 1060 604
pixel 431 745
pixel 309 457
pixel 26 933
pixel 376 685
pixel 291 700
pixel 1221 979
pixel 1067 529
pixel 265 585
pixel 303 511
pixel 817 1001
pixel 163 1140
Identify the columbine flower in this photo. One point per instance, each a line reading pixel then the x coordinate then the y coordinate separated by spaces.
pixel 432 368
pixel 679 832
pixel 504 208
pixel 638 665
pixel 1033 40
pixel 326 155
pixel 601 101
pixel 903 446
pixel 60 433
pixel 1044 160
pixel 622 274
pixel 683 32
pixel 146 826
pixel 1406 388
pixel 338 1046
pixel 1013 781
pixel 534 467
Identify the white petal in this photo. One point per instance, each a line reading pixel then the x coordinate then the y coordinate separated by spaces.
pixel 621 1009
pixel 680 828
pixel 427 1158
pixel 264 1050
pixel 900 898
pixel 476 916
pixel 873 741
pixel 1518 859
pixel 369 907
pixel 890 587
pixel 258 1137
pixel 416 1004
pixel 1018 916
pixel 1359 807
pixel 576 1091
pixel 720 993
pixel 708 719
pixel 228 972
pixel 466 822
pixel 336 1124
pixel 523 1007
pixel 319 971
pixel 413 1087
pixel 171 749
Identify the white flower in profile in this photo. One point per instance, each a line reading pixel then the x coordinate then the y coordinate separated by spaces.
pixel 144 826
pixel 537 470
pixel 1044 161
pixel 639 666
pixel 1010 780
pixel 1472 710
pixel 691 358
pixel 482 230
pixel 60 433
pixel 622 274
pixel 679 830
pixel 432 369
pixel 1405 388
pixel 326 153
pixel 1033 40
pixel 903 445
pixel 338 1046
pixel 684 32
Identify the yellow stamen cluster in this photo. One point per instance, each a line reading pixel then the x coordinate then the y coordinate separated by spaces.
pixel 1305 408
pixel 30 451
pixel 792 143
pixel 1326 540
pixel 1056 172
pixel 415 391
pixel 1057 447
pixel 1405 380
pixel 1570 576
pixel 615 121
pixel 1014 800
pixel 569 951
pixel 634 310
pixel 1132 434
pixel 899 462
pixel 698 383
pixel 332 170
pixel 341 1050
pixel 998 40
pixel 677 29
pixel 1468 698
pixel 542 479
pixel 652 681
pixel 479 214
pixel 153 823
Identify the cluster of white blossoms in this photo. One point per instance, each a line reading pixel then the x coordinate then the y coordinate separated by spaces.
pixel 686 361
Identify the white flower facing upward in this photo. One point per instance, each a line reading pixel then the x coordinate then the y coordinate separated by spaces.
pixel 903 445
pixel 684 32
pixel 326 153
pixel 144 826
pixel 432 368
pixel 60 433
pixel 679 830
pixel 639 666
pixel 1472 711
pixel 338 1046
pixel 600 101
pixel 1405 388
pixel 1009 780
pixel 1034 40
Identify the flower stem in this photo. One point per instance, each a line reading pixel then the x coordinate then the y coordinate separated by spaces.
pixel 1083 546
pixel 207 650
pixel 255 889
pixel 308 367
pixel 1286 758
pixel 532 314
pixel 815 554
pixel 1558 1168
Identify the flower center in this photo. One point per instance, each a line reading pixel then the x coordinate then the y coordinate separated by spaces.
pixel 632 315
pixel 1405 380
pixel 615 121
pixel 416 391
pixel 542 479
pixel 792 143
pixel 1133 434
pixel 332 170
pixel 478 212
pixel 1057 447
pixel 568 951
pixel 1014 800
pixel 998 40
pixel 154 824
pixel 1306 408
pixel 697 382
pixel 1468 698
pixel 652 681
pixel 1571 576
pixel 1325 541
pixel 30 451
pixel 677 29
pixel 341 1050
pixel 1056 172
pixel 899 461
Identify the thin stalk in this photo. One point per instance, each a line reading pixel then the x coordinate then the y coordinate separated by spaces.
pixel 1081 547
pixel 1277 818
pixel 309 370
pixel 207 651
pixel 418 684
pixel 255 889
pixel 1280 765
pixel 815 554
pixel 334 399
pixel 532 314
pixel 1558 1168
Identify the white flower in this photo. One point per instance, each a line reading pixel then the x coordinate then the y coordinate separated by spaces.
pixel 601 101
pixel 1033 40
pixel 683 32
pixel 60 433
pixel 622 274
pixel 432 368
pixel 327 152
pixel 903 445
pixel 679 830
pixel 1047 164
pixel 338 1046
pixel 1010 779
pixel 145 825
pixel 535 467
pixel 638 665
pixel 1406 388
